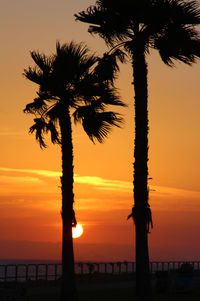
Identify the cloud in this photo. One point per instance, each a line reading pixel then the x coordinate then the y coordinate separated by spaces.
pixel 20 179
pixel 40 172
pixel 100 183
pixel 97 182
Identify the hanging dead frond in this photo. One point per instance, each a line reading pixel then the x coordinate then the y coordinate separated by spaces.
pixel 142 214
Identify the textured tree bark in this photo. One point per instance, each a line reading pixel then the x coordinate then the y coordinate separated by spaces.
pixel 141 206
pixel 68 285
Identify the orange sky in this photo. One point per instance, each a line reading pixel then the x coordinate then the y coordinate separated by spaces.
pixel 29 177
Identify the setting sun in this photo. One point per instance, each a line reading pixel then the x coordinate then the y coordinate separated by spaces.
pixel 77 231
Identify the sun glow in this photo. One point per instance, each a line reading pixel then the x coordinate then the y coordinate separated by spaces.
pixel 77 231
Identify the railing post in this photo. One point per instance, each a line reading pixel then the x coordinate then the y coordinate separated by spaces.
pixel 119 267
pixel 126 265
pixel 16 270
pixel 112 265
pixel 98 268
pixel 106 267
pixel 56 271
pixel 5 272
pixel 26 273
pixel 46 274
pixel 36 272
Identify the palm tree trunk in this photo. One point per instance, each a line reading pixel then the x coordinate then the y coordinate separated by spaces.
pixel 68 285
pixel 141 206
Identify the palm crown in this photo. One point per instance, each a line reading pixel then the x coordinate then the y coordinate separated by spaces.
pixel 73 79
pixel 168 26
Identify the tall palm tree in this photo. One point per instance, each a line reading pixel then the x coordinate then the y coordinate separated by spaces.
pixel 168 26
pixel 71 84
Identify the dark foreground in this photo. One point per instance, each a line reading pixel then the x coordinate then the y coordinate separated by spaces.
pixel 119 295
pixel 99 287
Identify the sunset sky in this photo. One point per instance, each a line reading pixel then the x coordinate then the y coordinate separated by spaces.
pixel 30 198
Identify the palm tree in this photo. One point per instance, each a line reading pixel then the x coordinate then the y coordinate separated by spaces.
pixel 71 85
pixel 138 26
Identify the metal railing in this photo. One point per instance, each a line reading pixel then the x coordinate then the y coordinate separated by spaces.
pixel 53 271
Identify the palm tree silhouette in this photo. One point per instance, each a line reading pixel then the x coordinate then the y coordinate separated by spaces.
pixel 138 26
pixel 71 85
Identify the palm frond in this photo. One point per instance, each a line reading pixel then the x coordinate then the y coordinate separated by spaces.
pixel 107 66
pixel 54 133
pixel 105 22
pixel 42 61
pixel 71 62
pixel 110 96
pixel 33 75
pixel 45 94
pixel 84 111
pixel 92 89
pixel 39 127
pixel 185 12
pixel 71 49
pixel 38 105
pixel 80 112
pixel 92 15
pixel 55 111
pixel 178 43
pixel 97 125
pixel 77 52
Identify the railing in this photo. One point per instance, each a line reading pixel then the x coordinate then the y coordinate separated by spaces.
pixel 25 272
